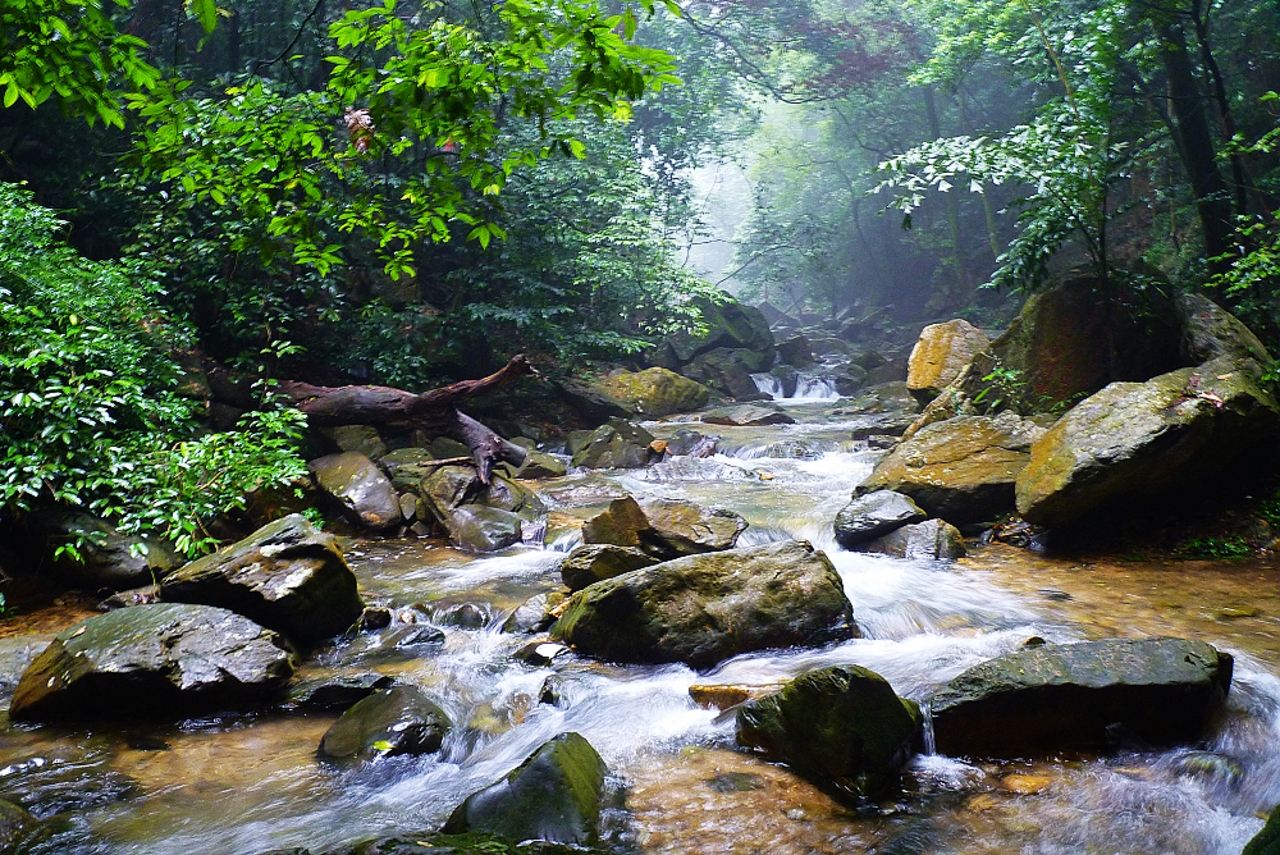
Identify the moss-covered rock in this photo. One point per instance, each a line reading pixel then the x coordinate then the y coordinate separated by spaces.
pixel 941 352
pixel 398 720
pixel 617 445
pixel 655 392
pixel 555 795
pixel 728 371
pixel 962 470
pixel 158 660
pixel 407 467
pixel 874 515
pixel 19 830
pixel 435 843
pixel 664 529
pixel 286 576
pixel 705 608
pixel 109 559
pixel 592 563
pixel 728 324
pixel 1135 440
pixel 358 486
pixel 1040 700
pixel 1266 841
pixel 841 727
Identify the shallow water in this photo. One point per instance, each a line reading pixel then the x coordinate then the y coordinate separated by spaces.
pixel 249 784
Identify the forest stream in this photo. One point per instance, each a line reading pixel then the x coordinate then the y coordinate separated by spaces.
pixel 250 784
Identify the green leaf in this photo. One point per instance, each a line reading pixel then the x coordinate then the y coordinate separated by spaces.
pixel 207 13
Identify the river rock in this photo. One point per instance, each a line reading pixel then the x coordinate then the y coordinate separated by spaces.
pixel 664 529
pixel 1133 440
pixel 155 660
pixel 873 515
pixel 963 469
pixel 796 351
pixel 841 727
pixel 337 691
pixel 389 722
pixel 1266 841
pixel 931 540
pixel 359 487
pixel 656 392
pixel 591 563
pixel 406 467
pixel 686 442
pixel 747 415
pixel 110 559
pixel 555 795
pixel 539 464
pixel 616 445
pixel 362 439
pixel 727 325
pixel 941 352
pixel 729 372
pixel 1040 700
pixel 286 576
pixel 705 608
pixel 19 830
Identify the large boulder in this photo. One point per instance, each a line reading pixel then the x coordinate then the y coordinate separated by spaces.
pixel 664 529
pixel 842 727
pixel 729 372
pixel 1135 440
pixel 728 324
pixel 655 392
pixel 360 488
pixel 931 540
pixel 747 415
pixel 286 576
pixel 480 528
pixel 1266 841
pixel 940 354
pixel 556 795
pixel 591 563
pixel 157 660
pixel 873 515
pixel 616 445
pixel 705 608
pixel 796 351
pixel 478 517
pixel 109 559
pixel 1041 700
pixel 963 469
pixel 398 720
pixel 408 466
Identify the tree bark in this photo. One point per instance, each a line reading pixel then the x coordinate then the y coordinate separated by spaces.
pixel 435 411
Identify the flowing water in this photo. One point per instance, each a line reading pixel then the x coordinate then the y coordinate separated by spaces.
pixel 251 784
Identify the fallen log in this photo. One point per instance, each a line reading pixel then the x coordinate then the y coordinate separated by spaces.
pixel 435 411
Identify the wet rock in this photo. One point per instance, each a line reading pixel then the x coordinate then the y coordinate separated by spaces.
pixel 729 373
pixel 47 785
pixel 726 696
pixel 591 563
pixel 110 559
pixel 555 795
pixel 408 636
pixel 873 515
pixel 365 495
pixel 705 608
pixel 478 528
pixel 464 615
pixel 890 425
pixel 540 654
pixel 155 660
pixel 551 691
pixel 1211 768
pixel 932 540
pixel 1050 698
pixel 849 379
pixel 963 469
pixel 727 325
pixel 389 722
pixel 664 529
pixel 1135 440
pixel 336 691
pixel 286 576
pixel 841 727
pixel 449 844
pixel 539 464
pixel 655 392
pixel 686 442
pixel 747 415
pixel 616 445
pixel 19 830
pixel 374 618
pixel 796 351
pixel 1267 841
pixel 444 448
pixel 407 467
pixel 940 354
pixel 893 398
pixel 1210 332
pixel 362 439
pixel 531 615
pixel 132 597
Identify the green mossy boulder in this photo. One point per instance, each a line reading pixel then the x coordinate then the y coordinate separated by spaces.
pixel 19 830
pixel 592 563
pixel 287 576
pixel 703 609
pixel 841 727
pixel 1266 841
pixel 556 795
pixel 616 445
pixel 1062 697
pixel 155 661
pixel 655 392
pixel 389 722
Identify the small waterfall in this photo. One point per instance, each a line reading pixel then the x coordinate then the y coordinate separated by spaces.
pixel 769 385
pixel 930 743
pixel 813 388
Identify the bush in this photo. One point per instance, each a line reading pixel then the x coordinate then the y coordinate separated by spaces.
pixel 90 412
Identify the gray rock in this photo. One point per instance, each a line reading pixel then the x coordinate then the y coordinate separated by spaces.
pixel 842 727
pixel 873 515
pixel 362 439
pixel 407 467
pixel 539 464
pixel 389 722
pixel 336 691
pixel 110 559
pixel 591 563
pixel 747 415
pixel 664 529
pixel 157 660
pixel 616 445
pixel 359 487
pixel 478 528
pixel 555 795
pixel 686 442
pixel 286 576
pixel 705 608
pixel 1050 698
pixel 932 540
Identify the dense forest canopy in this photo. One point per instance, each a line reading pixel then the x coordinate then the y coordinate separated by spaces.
pixel 408 193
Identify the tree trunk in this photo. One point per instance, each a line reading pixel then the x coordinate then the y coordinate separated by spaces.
pixel 435 411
